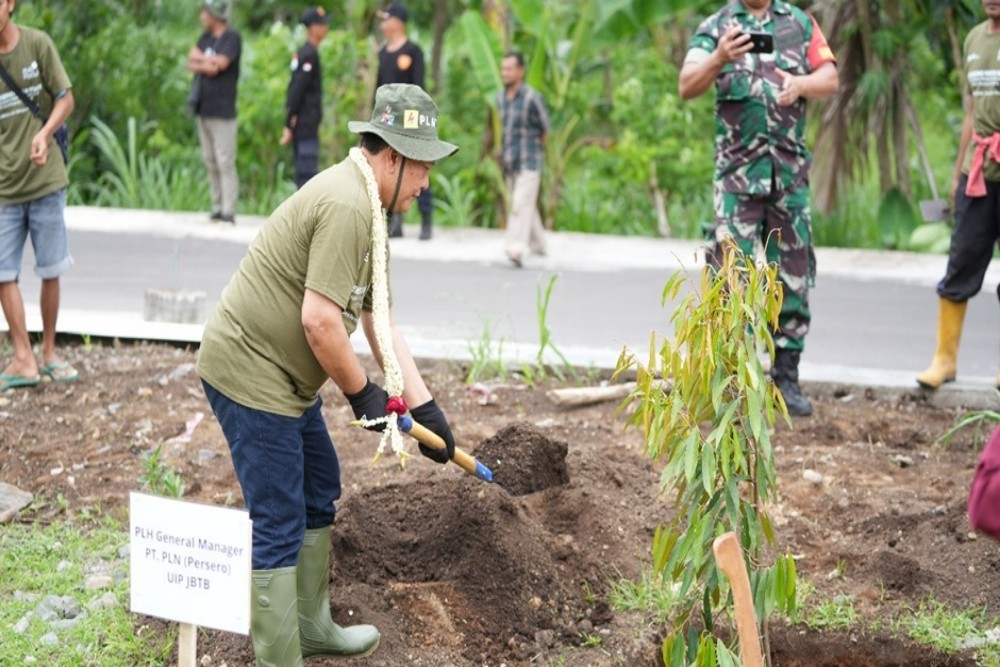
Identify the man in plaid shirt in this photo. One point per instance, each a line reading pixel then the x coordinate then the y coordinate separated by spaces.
pixel 525 124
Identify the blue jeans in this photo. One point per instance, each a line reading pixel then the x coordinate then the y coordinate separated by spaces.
pixel 42 218
pixel 289 473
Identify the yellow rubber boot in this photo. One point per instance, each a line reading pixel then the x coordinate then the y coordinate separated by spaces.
pixel 951 316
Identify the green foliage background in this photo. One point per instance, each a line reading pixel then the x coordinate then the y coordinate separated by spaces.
pixel 607 68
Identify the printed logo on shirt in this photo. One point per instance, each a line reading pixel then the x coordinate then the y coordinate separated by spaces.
pixel 31 71
pixel 403 62
pixel 357 299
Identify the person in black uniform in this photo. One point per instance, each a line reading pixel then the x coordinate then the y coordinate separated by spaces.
pixel 402 61
pixel 304 100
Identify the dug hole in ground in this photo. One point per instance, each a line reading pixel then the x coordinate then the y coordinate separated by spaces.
pixel 458 572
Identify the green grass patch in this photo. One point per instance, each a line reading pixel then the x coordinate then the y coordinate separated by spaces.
pixel 40 560
pixel 932 623
pixel 837 613
pixel 651 596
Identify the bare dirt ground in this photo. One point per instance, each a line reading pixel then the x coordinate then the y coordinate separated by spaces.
pixel 458 572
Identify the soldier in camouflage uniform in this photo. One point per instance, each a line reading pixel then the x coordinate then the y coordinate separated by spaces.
pixel 761 159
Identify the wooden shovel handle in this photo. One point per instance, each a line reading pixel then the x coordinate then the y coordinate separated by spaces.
pixel 461 458
pixel 434 441
pixel 729 557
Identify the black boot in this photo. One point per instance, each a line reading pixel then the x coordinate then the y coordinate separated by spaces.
pixel 396 226
pixel 786 376
pixel 425 227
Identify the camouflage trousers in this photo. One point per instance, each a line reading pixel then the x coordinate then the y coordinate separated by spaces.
pixel 776 227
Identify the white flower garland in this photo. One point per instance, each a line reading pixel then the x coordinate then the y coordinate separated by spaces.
pixel 380 308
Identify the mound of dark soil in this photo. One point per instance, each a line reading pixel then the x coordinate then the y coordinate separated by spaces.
pixel 498 567
pixel 523 459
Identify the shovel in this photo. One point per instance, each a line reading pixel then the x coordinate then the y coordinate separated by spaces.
pixel 729 557
pixel 935 210
pixel 431 439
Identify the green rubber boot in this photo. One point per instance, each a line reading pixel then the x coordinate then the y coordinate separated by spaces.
pixel 274 625
pixel 318 633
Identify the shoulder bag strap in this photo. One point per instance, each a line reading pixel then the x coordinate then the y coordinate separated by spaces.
pixel 28 102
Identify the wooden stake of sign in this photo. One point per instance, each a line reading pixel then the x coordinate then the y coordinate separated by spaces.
pixel 187 649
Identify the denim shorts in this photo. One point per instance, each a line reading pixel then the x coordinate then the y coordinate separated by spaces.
pixel 289 473
pixel 43 219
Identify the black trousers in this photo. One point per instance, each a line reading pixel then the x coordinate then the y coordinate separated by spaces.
pixel 976 234
pixel 426 206
pixel 306 159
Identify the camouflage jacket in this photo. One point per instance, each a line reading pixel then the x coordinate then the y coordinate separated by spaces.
pixel 758 142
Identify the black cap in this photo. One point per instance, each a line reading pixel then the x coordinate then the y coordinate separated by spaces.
pixel 395 9
pixel 314 15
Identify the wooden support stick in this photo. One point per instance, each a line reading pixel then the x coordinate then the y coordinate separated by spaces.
pixel 729 556
pixel 187 650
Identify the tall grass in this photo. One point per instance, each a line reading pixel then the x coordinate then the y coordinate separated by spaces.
pixel 135 176
pixel 854 221
pixel 135 179
pixel 455 200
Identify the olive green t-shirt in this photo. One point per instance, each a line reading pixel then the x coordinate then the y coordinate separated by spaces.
pixel 982 67
pixel 35 67
pixel 254 349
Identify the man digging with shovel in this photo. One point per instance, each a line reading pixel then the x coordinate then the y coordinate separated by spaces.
pixel 282 327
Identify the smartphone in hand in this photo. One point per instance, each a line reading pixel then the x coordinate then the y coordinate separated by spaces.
pixel 761 42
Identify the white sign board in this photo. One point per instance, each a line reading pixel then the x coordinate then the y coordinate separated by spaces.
pixel 190 562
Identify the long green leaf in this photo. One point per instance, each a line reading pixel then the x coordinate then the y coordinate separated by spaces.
pixel 484 53
pixel 531 14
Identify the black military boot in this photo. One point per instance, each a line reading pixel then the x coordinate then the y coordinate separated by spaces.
pixel 425 226
pixel 786 375
pixel 396 225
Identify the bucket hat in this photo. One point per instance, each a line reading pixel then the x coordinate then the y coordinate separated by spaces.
pixel 407 119
pixel 217 8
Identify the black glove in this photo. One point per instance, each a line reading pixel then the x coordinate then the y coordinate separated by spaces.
pixel 369 403
pixel 430 416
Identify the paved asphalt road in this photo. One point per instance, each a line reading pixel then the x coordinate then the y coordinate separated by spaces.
pixel 868 326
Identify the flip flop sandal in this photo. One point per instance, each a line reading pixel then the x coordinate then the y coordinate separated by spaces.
pixel 60 372
pixel 8 382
